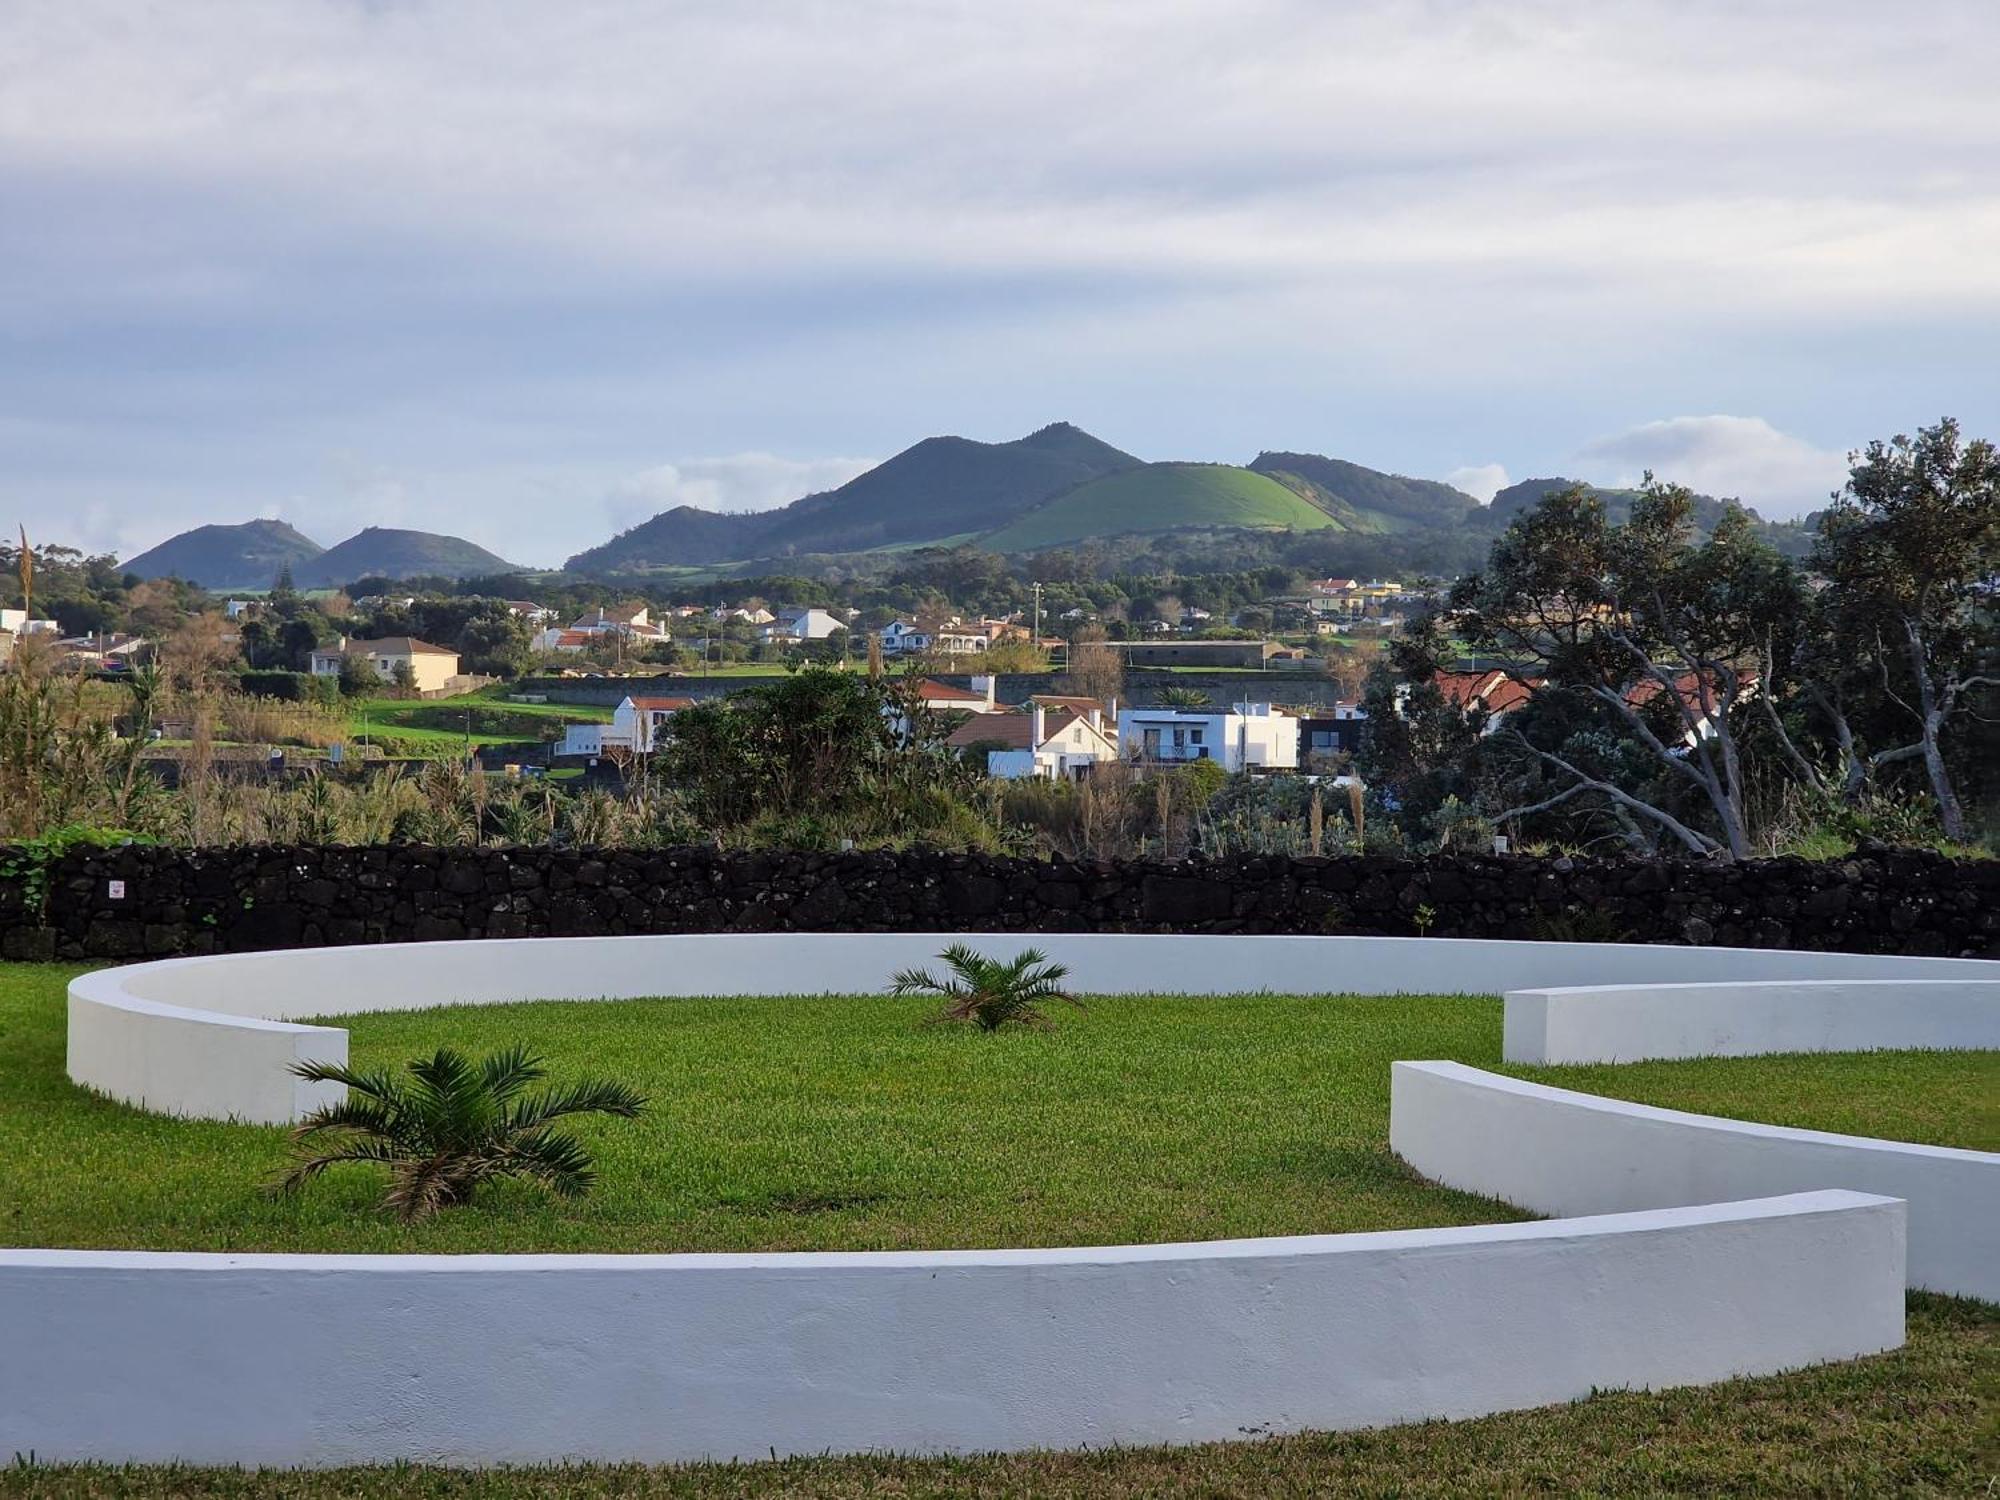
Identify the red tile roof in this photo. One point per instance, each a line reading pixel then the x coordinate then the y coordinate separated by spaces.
pixel 941 692
pixel 663 705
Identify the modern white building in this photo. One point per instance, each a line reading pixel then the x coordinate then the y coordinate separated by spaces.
pixel 18 622
pixel 1244 737
pixel 638 725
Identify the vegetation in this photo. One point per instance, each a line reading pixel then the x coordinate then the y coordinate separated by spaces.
pixel 851 1124
pixel 453 1127
pixel 1913 1422
pixel 1161 497
pixel 991 993
pixel 1668 685
pixel 938 488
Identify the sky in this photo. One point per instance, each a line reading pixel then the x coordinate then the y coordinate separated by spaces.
pixel 528 273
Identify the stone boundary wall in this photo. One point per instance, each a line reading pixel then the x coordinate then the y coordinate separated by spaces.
pixel 175 901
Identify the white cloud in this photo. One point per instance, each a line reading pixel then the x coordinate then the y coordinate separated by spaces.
pixel 510 250
pixel 733 482
pixel 1743 458
pixel 1481 481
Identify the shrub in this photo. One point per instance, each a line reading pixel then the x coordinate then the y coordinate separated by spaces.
pixel 455 1126
pixel 989 993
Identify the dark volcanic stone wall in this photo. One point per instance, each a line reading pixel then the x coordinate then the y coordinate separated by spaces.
pixel 224 900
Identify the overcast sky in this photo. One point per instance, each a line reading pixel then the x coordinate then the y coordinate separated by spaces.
pixel 528 272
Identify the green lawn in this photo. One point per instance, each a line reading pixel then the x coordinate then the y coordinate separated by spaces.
pixel 848 1123
pixel 851 1124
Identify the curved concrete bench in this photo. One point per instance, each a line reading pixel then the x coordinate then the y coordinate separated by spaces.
pixel 1613 1023
pixel 330 1359
pixel 215 1037
pixel 343 1359
pixel 1555 1151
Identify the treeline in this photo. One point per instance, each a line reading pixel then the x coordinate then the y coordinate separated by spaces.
pixel 1628 680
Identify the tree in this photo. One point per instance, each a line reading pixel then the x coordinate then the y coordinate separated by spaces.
pixel 455 1127
pixel 1910 550
pixel 1662 631
pixel 988 992
pixel 1095 669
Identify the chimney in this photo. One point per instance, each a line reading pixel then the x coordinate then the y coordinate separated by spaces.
pixel 1037 720
pixel 984 687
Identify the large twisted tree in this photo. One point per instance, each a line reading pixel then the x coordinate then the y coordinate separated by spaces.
pixel 1909 559
pixel 1659 628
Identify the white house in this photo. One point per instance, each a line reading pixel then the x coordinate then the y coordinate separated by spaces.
pixel 1247 736
pixel 638 725
pixel 802 625
pixel 902 638
pixel 1057 745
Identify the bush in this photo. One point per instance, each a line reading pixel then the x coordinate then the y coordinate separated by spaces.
pixel 456 1127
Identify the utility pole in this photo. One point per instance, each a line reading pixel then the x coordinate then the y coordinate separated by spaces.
pixel 1036 641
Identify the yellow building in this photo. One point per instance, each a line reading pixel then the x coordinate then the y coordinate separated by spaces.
pixel 395 659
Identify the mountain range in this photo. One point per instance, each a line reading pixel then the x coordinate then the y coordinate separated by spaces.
pixel 250 556
pixel 1057 487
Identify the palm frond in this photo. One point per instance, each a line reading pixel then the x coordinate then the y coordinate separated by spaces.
pixel 363 1115
pixel 377 1083
pixel 507 1072
pixel 586 1096
pixel 307 1168
pixel 551 1157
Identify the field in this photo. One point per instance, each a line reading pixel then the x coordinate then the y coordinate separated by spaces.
pixel 1160 497
pixel 850 1123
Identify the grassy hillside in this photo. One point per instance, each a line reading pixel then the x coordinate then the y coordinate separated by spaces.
pixel 248 556
pixel 1394 502
pixel 938 488
pixel 386 552
pixel 1161 497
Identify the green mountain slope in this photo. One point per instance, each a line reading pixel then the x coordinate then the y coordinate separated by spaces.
pixel 387 552
pixel 247 556
pixel 1161 497
pixel 1390 497
pixel 941 487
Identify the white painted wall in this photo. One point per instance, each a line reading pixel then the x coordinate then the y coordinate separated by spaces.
pixel 1627 1022
pixel 1555 1151
pixel 209 1066
pixel 323 1360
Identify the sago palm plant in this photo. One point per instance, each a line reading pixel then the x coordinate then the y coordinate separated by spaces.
pixel 988 992
pixel 453 1125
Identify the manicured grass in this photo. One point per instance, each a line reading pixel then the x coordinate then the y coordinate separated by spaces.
pixel 851 1124
pixel 1916 1422
pixel 848 1123
pixel 804 1124
pixel 1930 1098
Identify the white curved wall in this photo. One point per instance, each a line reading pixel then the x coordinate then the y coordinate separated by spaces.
pixel 1555 1151
pixel 322 1360
pixel 196 1036
pixel 1627 1022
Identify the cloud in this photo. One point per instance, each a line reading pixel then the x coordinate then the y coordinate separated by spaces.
pixel 1481 481
pixel 734 482
pixel 511 252
pixel 1743 458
